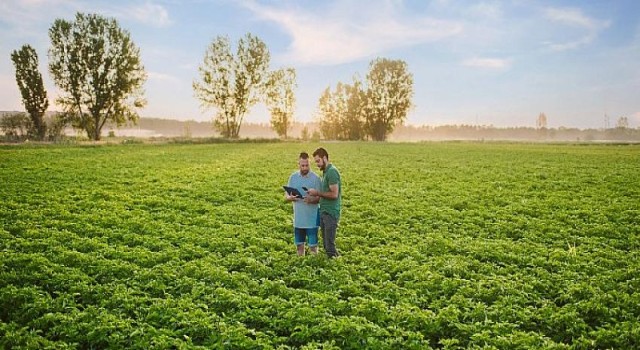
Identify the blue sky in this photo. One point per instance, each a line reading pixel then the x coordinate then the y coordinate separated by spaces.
pixel 497 63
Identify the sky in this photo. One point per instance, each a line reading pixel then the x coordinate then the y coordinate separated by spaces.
pixel 492 63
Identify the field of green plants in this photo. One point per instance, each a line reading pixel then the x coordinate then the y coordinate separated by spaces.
pixel 444 246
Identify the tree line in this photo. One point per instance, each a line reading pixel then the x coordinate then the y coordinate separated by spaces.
pixel 100 75
pixel 98 70
pixel 370 109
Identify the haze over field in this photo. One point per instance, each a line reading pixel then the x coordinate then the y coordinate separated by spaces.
pixel 496 63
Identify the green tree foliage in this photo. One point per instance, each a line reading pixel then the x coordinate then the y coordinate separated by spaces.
pixel 230 83
pixel 342 112
pixel 97 67
pixel 329 113
pixel 55 126
pixel 355 112
pixel 305 133
pixel 15 126
pixel 280 99
pixel 389 94
pixel 34 95
pixel 353 121
pixel 315 135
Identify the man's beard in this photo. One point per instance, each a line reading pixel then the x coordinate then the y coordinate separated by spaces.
pixel 304 172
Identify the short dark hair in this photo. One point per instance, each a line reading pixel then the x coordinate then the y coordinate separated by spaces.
pixel 304 155
pixel 321 152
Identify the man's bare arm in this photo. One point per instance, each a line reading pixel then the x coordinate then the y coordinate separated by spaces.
pixel 332 194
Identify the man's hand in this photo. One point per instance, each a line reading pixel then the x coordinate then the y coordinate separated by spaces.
pixel 291 198
pixel 311 199
pixel 332 194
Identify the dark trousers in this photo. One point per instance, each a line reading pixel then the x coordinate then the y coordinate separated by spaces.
pixel 329 227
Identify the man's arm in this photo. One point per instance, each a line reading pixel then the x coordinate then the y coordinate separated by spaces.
pixel 334 190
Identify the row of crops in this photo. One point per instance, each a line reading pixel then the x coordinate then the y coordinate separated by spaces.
pixel 444 246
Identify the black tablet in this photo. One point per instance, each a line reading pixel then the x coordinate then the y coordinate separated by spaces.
pixel 293 191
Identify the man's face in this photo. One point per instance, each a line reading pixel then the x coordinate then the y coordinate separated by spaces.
pixel 320 162
pixel 303 164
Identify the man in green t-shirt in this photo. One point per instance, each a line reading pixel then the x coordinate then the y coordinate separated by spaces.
pixel 330 194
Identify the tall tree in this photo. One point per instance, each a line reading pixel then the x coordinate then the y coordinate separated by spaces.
pixel 232 84
pixel 280 99
pixel 353 121
pixel 34 95
pixel 98 68
pixel 389 94
pixel 329 113
pixel 541 122
pixel 341 112
pixel 622 123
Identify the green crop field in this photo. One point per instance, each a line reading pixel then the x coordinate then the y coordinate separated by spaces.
pixel 444 246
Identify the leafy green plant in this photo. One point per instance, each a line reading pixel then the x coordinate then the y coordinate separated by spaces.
pixel 445 245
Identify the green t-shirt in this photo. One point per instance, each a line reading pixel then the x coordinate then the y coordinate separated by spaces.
pixel 331 176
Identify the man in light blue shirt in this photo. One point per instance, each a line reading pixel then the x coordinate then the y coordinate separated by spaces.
pixel 305 210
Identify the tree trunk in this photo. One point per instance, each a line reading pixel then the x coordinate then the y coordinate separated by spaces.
pixel 40 127
pixel 380 133
pixel 94 134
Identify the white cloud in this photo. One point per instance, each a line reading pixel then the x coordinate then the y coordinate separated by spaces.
pixel 149 13
pixel 12 9
pixel 575 18
pixel 156 76
pixel 571 16
pixel 344 33
pixel 26 19
pixel 572 44
pixel 29 20
pixel 492 63
pixel 487 10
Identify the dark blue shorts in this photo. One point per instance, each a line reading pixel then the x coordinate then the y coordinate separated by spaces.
pixel 300 236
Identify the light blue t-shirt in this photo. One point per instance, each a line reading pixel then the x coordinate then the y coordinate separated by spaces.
pixel 304 215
